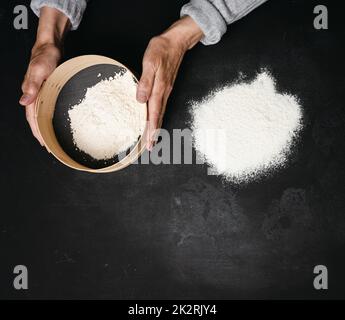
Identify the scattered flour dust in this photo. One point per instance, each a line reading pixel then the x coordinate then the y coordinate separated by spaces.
pixel 247 129
pixel 109 119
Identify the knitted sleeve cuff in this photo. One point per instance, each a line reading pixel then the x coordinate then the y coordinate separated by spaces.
pixel 208 18
pixel 73 9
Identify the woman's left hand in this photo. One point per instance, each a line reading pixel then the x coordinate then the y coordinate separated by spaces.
pixel 161 63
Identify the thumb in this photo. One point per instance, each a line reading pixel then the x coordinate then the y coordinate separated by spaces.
pixel 145 84
pixel 30 88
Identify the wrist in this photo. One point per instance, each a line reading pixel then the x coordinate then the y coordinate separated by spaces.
pixel 53 25
pixel 184 32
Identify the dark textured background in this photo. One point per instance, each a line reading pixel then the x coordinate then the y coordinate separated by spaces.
pixel 172 231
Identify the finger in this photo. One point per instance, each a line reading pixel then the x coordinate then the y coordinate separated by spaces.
pixel 155 115
pixel 32 120
pixel 168 89
pixel 30 88
pixel 33 80
pixel 146 82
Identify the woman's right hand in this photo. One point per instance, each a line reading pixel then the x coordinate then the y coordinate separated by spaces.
pixel 44 60
pixel 45 56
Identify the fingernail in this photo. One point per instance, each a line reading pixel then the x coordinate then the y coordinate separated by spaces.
pixel 24 99
pixel 149 146
pixel 141 97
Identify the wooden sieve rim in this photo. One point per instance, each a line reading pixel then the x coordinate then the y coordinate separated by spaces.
pixel 45 106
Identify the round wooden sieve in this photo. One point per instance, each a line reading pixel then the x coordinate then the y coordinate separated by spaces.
pixel 65 87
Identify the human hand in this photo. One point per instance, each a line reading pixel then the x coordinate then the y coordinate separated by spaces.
pixel 44 60
pixel 161 63
pixel 45 56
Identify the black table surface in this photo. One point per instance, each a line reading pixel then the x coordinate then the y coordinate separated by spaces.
pixel 172 231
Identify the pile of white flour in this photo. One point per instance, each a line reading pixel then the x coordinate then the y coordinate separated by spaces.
pixel 109 119
pixel 247 129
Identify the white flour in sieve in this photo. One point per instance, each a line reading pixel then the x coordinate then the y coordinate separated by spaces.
pixel 109 119
pixel 244 130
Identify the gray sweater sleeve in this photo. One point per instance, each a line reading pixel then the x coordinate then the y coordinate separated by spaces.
pixel 213 16
pixel 73 9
